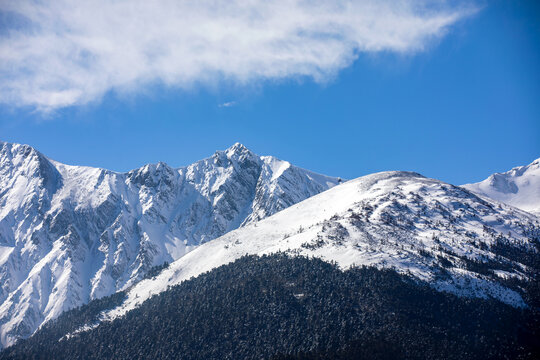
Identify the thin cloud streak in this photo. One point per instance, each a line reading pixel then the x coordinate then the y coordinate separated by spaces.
pixel 69 52
pixel 227 104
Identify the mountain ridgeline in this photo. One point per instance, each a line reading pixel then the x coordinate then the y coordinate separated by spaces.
pixel 282 307
pixel 70 234
pixel 519 187
pixel 424 228
pixel 174 262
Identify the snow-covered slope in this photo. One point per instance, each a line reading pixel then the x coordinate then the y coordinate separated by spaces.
pixel 519 187
pixel 70 234
pixel 431 230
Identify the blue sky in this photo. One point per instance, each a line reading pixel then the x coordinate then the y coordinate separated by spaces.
pixel 457 107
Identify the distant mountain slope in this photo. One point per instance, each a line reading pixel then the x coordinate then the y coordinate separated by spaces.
pixel 279 307
pixel 519 187
pixel 70 234
pixel 428 229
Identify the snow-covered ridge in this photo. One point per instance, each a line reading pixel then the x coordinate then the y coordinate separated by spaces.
pixel 519 187
pixel 429 229
pixel 70 234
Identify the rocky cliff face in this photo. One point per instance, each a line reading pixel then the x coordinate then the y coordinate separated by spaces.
pixel 70 234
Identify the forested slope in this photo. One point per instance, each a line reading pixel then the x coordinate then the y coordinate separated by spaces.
pixel 293 308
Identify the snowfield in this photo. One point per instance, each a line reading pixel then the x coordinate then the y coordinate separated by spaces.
pixel 519 187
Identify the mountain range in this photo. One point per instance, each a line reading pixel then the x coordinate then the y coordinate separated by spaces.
pixel 430 230
pixel 71 234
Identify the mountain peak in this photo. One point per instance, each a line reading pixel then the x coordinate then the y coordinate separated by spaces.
pixel 394 219
pixel 519 187
pixel 121 223
pixel 238 148
pixel 239 153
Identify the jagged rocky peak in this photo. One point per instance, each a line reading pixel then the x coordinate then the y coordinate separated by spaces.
pixel 151 175
pixel 236 154
pixel 238 149
pixel 70 234
pixel 18 154
pixel 24 157
pixel 26 176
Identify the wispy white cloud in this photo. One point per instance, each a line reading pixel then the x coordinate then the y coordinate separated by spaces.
pixel 60 53
pixel 227 104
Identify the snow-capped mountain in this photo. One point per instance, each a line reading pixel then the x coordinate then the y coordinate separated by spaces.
pixel 519 187
pixel 70 234
pixel 431 230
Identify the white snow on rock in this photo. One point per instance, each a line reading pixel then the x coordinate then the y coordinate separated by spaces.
pixel 70 234
pixel 426 228
pixel 519 187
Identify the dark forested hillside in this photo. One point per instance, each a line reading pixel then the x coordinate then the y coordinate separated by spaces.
pixel 278 307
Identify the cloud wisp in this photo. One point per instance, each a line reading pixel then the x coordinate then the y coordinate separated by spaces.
pixel 227 104
pixel 55 54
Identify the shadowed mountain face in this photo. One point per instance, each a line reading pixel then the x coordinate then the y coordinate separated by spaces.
pixel 69 234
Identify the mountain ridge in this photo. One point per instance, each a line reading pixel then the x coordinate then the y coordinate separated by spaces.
pixel 431 230
pixel 69 234
pixel 519 187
